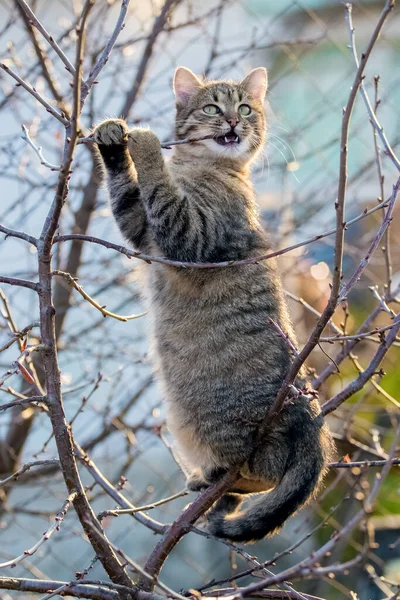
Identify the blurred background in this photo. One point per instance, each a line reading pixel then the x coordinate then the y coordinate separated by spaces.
pixel 117 411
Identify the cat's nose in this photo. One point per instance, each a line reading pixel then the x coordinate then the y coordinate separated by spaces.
pixel 233 122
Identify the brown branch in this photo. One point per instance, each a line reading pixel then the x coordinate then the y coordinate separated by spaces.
pixel 42 586
pixel 44 62
pixel 362 464
pixel 46 535
pixel 91 589
pixel 19 282
pixel 158 26
pixel 103 59
pixel 18 234
pixel 23 402
pixel 35 94
pixel 114 493
pixel 62 433
pixel 366 375
pixel 34 21
pixel 106 313
pixel 24 468
pixel 340 227
pixel 229 263
pixel 18 335
pixel 182 525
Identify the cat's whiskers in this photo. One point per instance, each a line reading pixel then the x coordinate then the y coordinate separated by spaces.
pixel 285 145
pixel 269 143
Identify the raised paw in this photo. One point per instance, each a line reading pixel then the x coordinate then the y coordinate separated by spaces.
pixel 111 132
pixel 145 148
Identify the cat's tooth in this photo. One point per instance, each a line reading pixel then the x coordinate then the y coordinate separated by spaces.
pixel 226 140
pixel 237 138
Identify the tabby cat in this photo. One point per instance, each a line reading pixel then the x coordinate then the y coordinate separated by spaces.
pixel 218 355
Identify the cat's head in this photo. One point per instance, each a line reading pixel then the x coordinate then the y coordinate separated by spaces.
pixel 231 112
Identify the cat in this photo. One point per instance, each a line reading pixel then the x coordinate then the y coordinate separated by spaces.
pixel 218 355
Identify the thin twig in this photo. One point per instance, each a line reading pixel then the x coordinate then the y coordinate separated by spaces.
pixel 49 38
pixel 362 464
pixel 18 234
pixel 130 511
pixel 47 534
pixel 35 94
pixel 23 402
pixel 38 150
pixel 364 263
pixel 26 467
pixel 339 239
pixel 372 115
pixel 19 282
pixel 229 263
pixel 165 145
pixel 366 375
pixel 106 313
pixel 103 58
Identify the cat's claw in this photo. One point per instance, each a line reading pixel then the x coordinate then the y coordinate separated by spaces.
pixel 111 131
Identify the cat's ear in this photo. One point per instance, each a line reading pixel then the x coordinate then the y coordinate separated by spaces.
pixel 185 84
pixel 256 83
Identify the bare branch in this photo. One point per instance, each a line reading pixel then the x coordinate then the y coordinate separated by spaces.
pixel 106 313
pixel 80 590
pixel 103 58
pixel 26 467
pixel 230 263
pixel 115 494
pixel 37 150
pixel 18 234
pixel 35 94
pixel 19 335
pixel 372 115
pixel 130 511
pixel 46 536
pixel 20 282
pixel 49 38
pixel 366 375
pixel 364 263
pixel 23 402
pixel 182 524
pixel 340 226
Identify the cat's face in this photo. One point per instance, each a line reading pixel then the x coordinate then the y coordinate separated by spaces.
pixel 232 113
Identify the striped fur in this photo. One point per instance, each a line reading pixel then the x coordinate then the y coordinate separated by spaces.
pixel 219 360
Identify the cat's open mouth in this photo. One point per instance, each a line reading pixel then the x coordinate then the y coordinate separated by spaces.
pixel 229 139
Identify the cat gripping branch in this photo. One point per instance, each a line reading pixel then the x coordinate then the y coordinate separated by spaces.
pixel 218 357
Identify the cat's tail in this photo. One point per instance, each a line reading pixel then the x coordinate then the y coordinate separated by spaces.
pixel 242 518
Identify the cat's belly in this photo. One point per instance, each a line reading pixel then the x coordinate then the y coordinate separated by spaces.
pixel 215 386
pixel 217 357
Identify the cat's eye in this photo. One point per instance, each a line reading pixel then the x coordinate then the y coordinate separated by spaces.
pixel 211 109
pixel 244 110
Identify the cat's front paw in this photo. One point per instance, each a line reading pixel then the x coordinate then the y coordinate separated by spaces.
pixel 111 132
pixel 144 148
